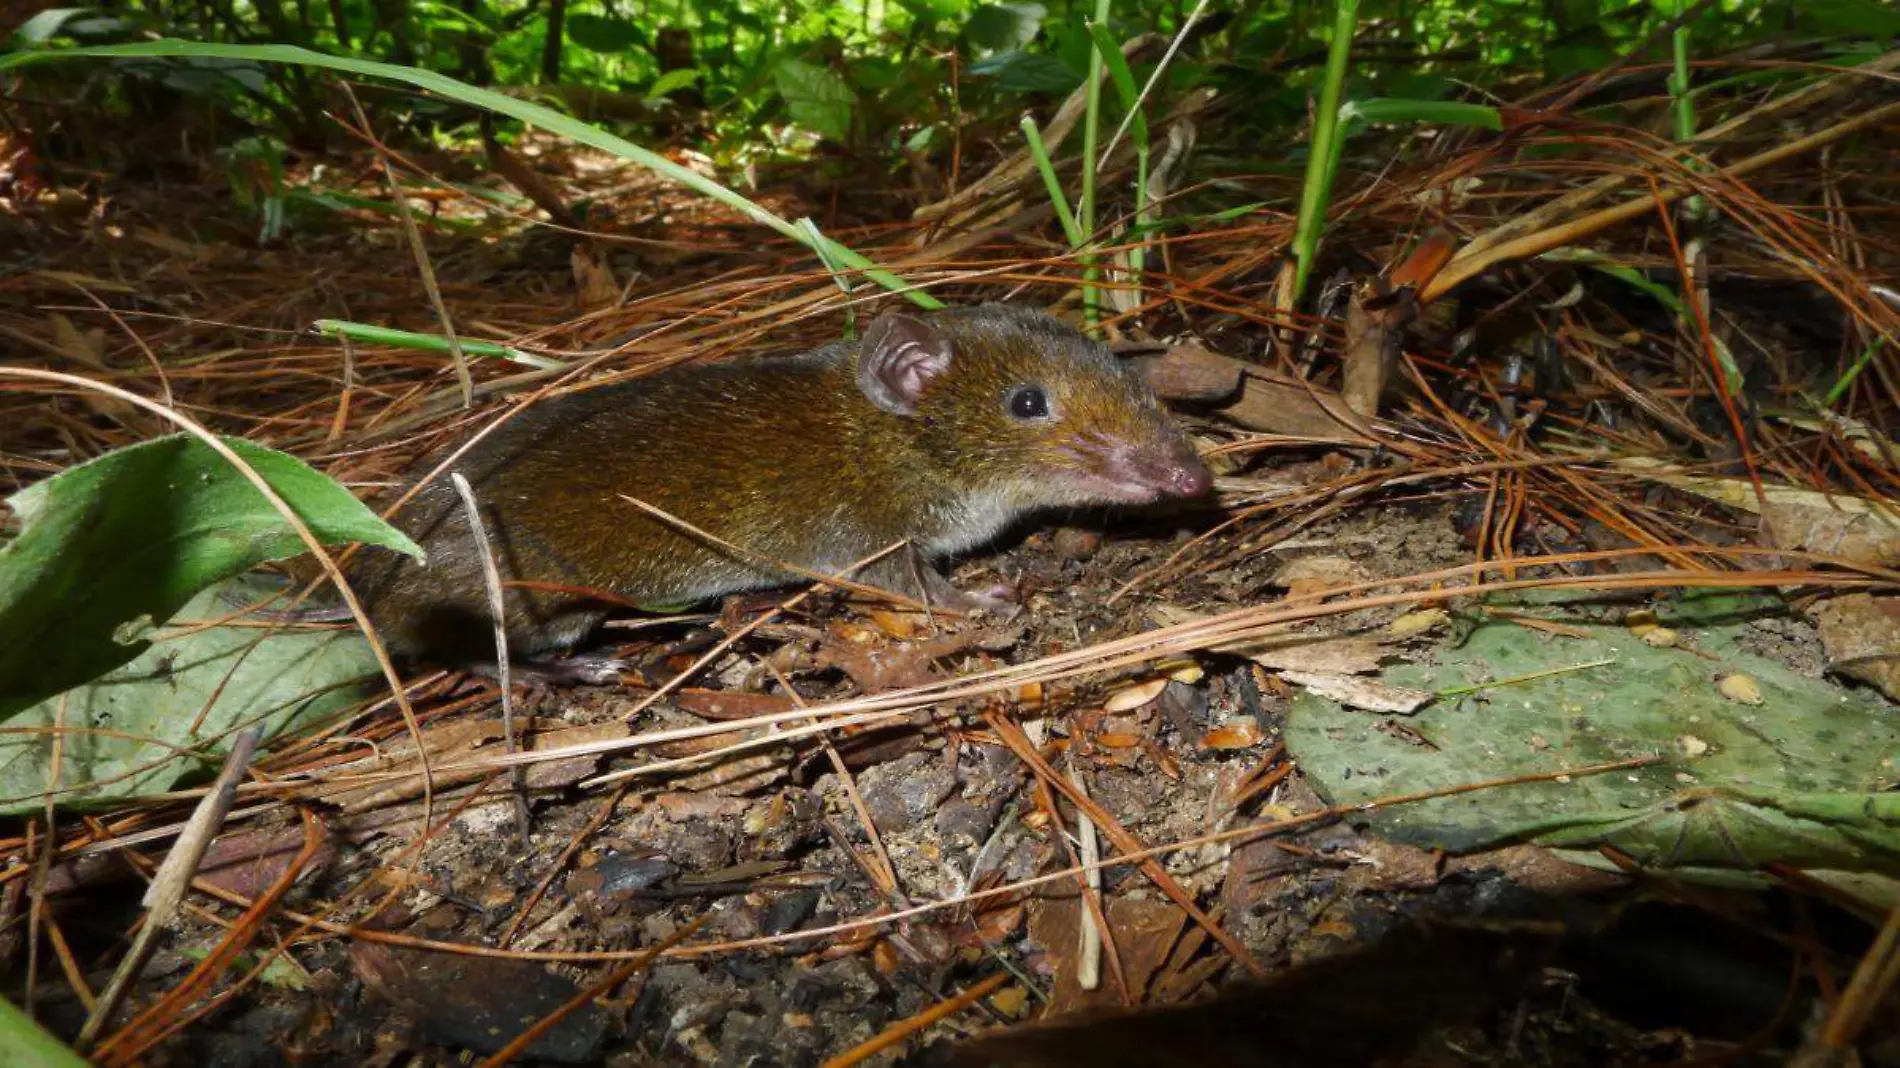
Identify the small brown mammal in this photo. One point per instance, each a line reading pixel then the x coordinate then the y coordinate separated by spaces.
pixel 942 429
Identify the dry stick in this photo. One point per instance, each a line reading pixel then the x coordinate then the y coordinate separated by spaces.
pixel 1469 266
pixel 423 267
pixel 1873 979
pixel 172 880
pixel 1548 214
pixel 884 871
pixel 903 1029
pixel 75 975
pixel 167 1016
pixel 491 578
pixel 1088 877
pixel 1025 751
pixel 1088 968
pixel 540 890
pixel 43 863
pixel 614 978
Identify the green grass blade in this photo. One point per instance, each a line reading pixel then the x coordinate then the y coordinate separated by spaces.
pixel 1047 168
pixel 369 334
pixel 1316 192
pixel 1443 112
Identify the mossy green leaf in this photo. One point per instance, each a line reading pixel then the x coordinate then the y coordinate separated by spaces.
pixel 167 715
pixel 1802 778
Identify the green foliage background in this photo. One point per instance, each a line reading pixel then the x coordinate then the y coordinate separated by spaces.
pixel 890 75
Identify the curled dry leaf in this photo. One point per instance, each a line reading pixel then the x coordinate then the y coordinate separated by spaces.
pixel 1131 697
pixel 1835 524
pixel 1242 733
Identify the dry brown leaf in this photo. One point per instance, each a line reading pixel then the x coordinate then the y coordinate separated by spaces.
pixel 1327 572
pixel 1132 697
pixel 1369 694
pixel 1861 634
pixel 1243 733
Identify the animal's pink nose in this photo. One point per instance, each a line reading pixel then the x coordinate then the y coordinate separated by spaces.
pixel 1189 477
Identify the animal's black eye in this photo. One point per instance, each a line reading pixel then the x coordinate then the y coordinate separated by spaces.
pixel 1028 402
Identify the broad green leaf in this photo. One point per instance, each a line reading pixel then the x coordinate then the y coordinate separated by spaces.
pixel 47 24
pixel 110 547
pixel 1860 18
pixel 1803 778
pixel 817 97
pixel 24 1044
pixel 672 80
pixel 501 104
pixel 1004 27
pixel 1027 72
pixel 599 33
pixel 131 732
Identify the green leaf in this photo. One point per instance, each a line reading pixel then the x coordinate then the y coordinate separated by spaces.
pixel 132 732
pixel 672 80
pixel 1027 72
pixel 1004 27
pixel 1111 52
pixel 24 1044
pixel 1860 18
pixel 46 25
pixel 110 547
pixel 599 33
pixel 1447 112
pixel 1803 778
pixel 817 97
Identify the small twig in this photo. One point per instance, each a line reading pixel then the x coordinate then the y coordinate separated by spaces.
pixel 426 269
pixel 884 872
pixel 172 879
pixel 1088 966
pixel 560 864
pixel 498 609
pixel 903 1029
pixel 1153 80
pixel 1873 979
pixel 612 979
pixel 1460 691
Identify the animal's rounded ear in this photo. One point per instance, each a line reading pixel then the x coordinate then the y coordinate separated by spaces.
pixel 898 358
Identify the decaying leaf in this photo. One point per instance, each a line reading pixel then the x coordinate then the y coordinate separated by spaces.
pixel 1804 778
pixel 1372 695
